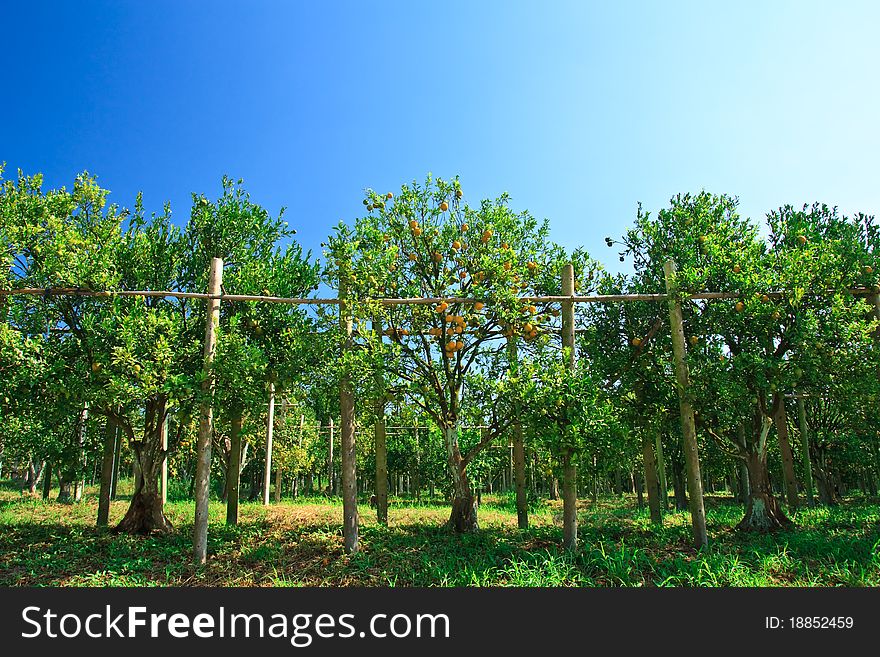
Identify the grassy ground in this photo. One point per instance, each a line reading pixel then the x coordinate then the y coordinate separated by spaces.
pixel 51 544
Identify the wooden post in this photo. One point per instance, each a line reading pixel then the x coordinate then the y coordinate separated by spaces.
pixel 206 417
pixel 689 432
pixel 569 469
pixel 233 469
pixel 805 450
pixel 270 430
pixel 163 433
pixel 519 455
pixel 346 407
pixel 106 473
pixel 299 442
pixel 80 484
pixel 331 489
pixel 381 443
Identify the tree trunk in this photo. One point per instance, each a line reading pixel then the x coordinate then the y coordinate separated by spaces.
pixel 233 470
pixel 519 466
pixel 651 480
pixel 743 476
pixel 106 473
pixel 554 488
pixel 681 501
pixel 117 455
pixel 661 470
pixel 381 470
pixel 805 450
pixel 47 480
pixel 64 495
pixel 824 483
pixel 463 517
pixel 637 484
pixel 791 484
pixel 594 497
pixel 569 502
pixel 145 513
pixel 278 483
pixel 763 513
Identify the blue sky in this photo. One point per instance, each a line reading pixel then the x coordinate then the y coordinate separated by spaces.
pixel 579 109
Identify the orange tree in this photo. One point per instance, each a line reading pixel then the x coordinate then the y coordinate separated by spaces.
pixel 743 352
pixel 122 356
pixel 427 242
pixel 626 344
pixel 259 344
pixel 570 415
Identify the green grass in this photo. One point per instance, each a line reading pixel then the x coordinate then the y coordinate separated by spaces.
pixel 51 544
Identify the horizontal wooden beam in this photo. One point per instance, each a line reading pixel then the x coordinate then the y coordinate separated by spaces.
pixel 413 301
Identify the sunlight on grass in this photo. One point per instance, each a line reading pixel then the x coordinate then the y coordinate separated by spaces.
pixel 52 544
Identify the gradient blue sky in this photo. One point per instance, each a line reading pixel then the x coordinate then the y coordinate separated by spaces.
pixel 579 109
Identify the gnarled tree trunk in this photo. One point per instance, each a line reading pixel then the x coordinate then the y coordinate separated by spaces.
pixel 146 513
pixel 463 517
pixel 763 513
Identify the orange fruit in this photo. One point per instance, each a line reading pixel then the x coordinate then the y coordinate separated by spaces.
pixel 478 305
pixel 464 228
pixel 444 206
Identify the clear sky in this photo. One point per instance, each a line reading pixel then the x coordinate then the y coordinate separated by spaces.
pixel 579 109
